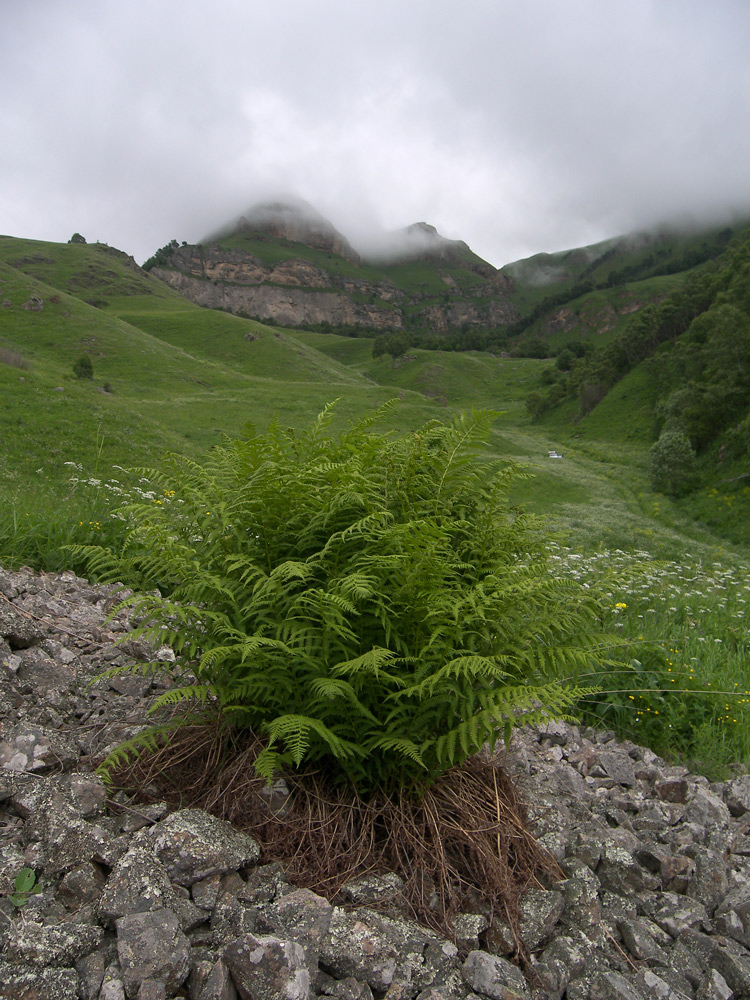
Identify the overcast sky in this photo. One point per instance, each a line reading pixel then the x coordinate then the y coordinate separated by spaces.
pixel 516 126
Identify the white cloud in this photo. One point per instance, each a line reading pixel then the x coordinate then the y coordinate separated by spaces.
pixel 516 127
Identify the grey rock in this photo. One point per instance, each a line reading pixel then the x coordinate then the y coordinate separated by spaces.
pixel 268 968
pixel 350 989
pixel 218 984
pixel 29 982
pixel 34 748
pixel 371 947
pixel 677 913
pixel 152 989
pixel 617 766
pixel 619 872
pixel 152 946
pixel 61 946
pixel 714 987
pixel 706 810
pixel 709 883
pixel 614 986
pixel 656 986
pixel 192 844
pixel 138 883
pixel 17 629
pixel 672 789
pixel 467 928
pixel 372 888
pixel 638 938
pixel 737 795
pixel 301 916
pixel 494 977
pixel 541 910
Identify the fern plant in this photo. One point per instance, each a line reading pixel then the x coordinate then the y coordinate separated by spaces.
pixel 369 604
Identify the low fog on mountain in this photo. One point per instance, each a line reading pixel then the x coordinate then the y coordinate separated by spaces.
pixel 516 128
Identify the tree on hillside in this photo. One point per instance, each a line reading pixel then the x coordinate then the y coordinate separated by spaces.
pixel 77 238
pixel 672 464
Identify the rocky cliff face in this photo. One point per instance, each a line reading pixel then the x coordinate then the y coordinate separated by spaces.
pixel 299 292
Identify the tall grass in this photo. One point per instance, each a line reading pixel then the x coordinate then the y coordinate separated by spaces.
pixel 683 687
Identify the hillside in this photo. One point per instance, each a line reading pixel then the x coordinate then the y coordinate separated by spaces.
pixel 285 264
pixel 171 376
pixel 679 372
pixel 167 375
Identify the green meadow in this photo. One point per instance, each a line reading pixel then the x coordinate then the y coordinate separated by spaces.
pixel 170 377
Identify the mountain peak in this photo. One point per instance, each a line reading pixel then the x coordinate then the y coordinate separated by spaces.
pixel 293 219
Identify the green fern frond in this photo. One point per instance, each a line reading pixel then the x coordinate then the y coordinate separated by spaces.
pixel 195 693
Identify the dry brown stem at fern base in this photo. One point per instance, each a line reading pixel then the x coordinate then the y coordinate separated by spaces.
pixel 464 842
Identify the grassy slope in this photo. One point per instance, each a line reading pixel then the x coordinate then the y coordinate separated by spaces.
pixel 183 375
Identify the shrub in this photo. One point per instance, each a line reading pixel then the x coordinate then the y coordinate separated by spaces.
pixel 84 367
pixel 672 463
pixel 367 604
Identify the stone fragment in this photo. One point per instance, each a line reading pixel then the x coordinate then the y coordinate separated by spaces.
pixel 263 884
pixel 88 794
pixel 192 845
pixel 614 986
pixel 677 913
pixel 29 982
pixel 372 888
pixel 152 989
pixel 706 810
pixel 726 956
pixel 91 969
pixel 672 789
pixel 709 883
pixel 560 962
pixel 640 942
pixel 218 984
pixel 498 939
pixel 659 988
pixel 301 916
pixel 730 925
pixel 541 910
pixel 28 747
pixel 372 947
pixel 268 968
pixel 19 631
pixel 351 989
pixel 54 946
pixel 467 928
pixel 494 977
pixel 738 795
pixel 152 946
pixel 138 883
pixel 82 884
pixel 206 892
pixel 617 766
pixel 619 872
pixel 714 987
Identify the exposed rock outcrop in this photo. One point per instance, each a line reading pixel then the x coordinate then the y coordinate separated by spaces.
pixel 297 291
pixel 140 903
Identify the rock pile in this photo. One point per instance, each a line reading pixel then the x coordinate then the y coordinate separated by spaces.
pixel 141 903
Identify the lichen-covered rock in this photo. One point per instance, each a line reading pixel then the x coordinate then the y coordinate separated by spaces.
pixel 268 968
pixel 494 977
pixel 29 982
pixel 192 844
pixel 152 946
